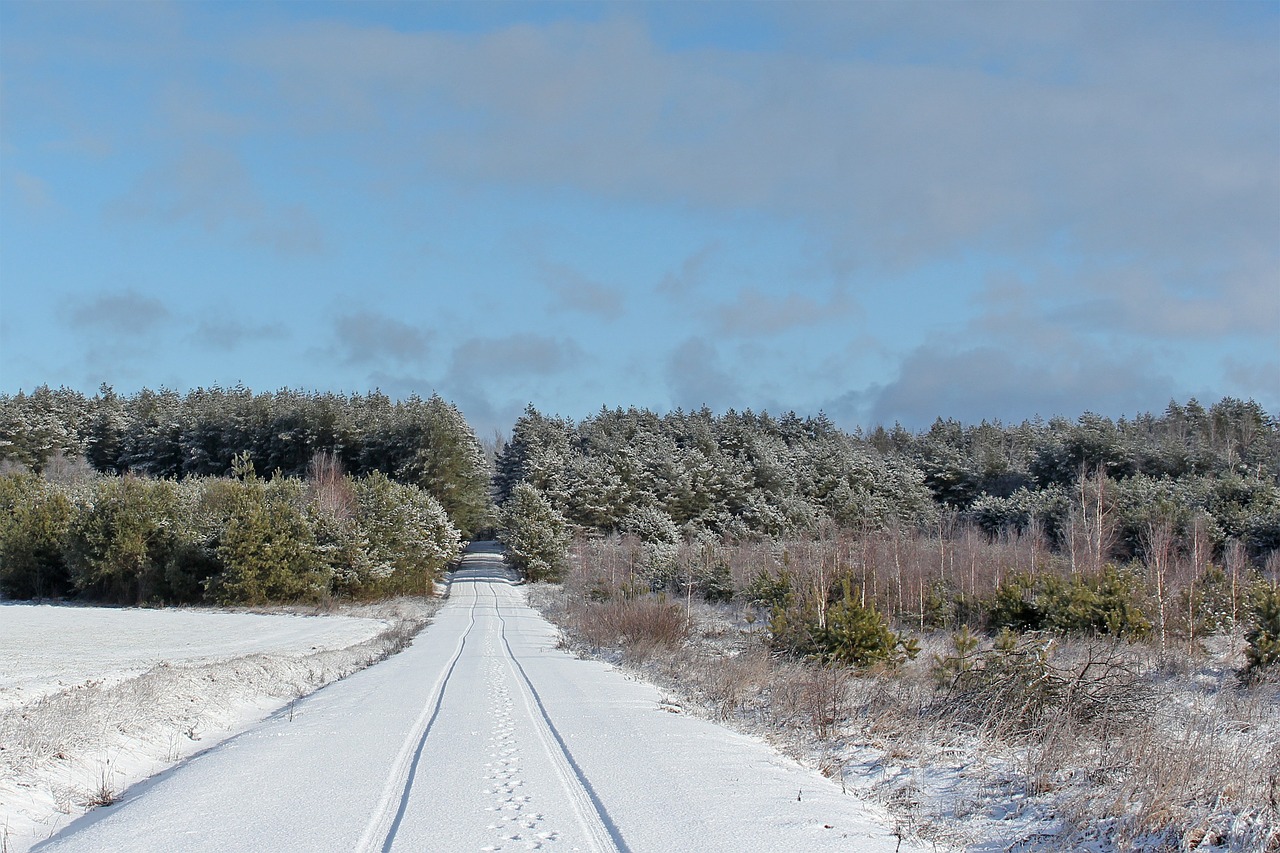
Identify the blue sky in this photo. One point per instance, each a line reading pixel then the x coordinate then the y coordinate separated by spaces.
pixel 888 212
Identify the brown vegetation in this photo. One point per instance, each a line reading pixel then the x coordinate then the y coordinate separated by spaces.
pixel 1056 737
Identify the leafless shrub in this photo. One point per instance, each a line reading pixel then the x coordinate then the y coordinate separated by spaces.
pixel 67 469
pixel 328 487
pixel 1021 688
pixel 640 625
pixel 734 684
pixel 826 698
pixel 1114 746
pixel 105 793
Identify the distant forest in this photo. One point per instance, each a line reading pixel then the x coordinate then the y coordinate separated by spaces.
pixel 692 475
pixel 167 435
pixel 1163 528
pixel 1188 484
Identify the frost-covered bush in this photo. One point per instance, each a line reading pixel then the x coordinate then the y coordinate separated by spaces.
pixel 280 544
pixel 125 532
pixel 129 540
pixel 409 535
pixel 269 552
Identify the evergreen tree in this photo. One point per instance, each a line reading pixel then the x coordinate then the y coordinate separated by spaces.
pixel 122 537
pixel 268 551
pixel 35 518
pixel 534 534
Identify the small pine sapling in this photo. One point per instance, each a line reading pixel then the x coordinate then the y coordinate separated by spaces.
pixel 1263 651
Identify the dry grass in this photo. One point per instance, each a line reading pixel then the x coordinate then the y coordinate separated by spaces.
pixel 640 626
pixel 1070 745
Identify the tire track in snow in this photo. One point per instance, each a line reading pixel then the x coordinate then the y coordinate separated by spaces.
pixel 593 817
pixel 380 832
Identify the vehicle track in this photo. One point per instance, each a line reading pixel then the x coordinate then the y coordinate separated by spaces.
pixel 379 833
pixel 592 815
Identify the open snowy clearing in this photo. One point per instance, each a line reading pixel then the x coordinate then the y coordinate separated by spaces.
pixel 93 700
pixel 45 649
pixel 483 735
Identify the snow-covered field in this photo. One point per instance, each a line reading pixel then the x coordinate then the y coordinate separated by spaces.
pixel 484 735
pixel 93 699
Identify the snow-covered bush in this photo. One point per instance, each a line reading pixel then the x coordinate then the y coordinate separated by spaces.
pixel 410 537
pixel 130 540
pixel 124 533
pixel 268 552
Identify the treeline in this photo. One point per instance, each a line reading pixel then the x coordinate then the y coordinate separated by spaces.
pixel 167 435
pixel 232 540
pixel 1093 488
pixel 697 475
pixel 1164 528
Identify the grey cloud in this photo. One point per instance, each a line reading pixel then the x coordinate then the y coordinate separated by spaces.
pixel 1241 298
pixel 1145 134
pixel 34 192
pixel 691 273
pixel 228 333
pixel 292 231
pixel 1146 301
pixel 124 313
pixel 210 186
pixel 484 416
pixel 365 337
pixel 979 382
pixel 191 113
pixel 755 313
pixel 1257 380
pixel 575 292
pixel 473 399
pixel 1016 359
pixel 401 385
pixel 118 330
pixel 696 377
pixel 85 145
pixel 518 354
pixel 205 184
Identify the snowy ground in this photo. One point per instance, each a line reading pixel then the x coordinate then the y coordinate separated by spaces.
pixel 93 700
pixel 1194 773
pixel 483 735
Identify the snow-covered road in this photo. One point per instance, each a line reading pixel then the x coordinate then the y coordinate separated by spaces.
pixel 484 736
